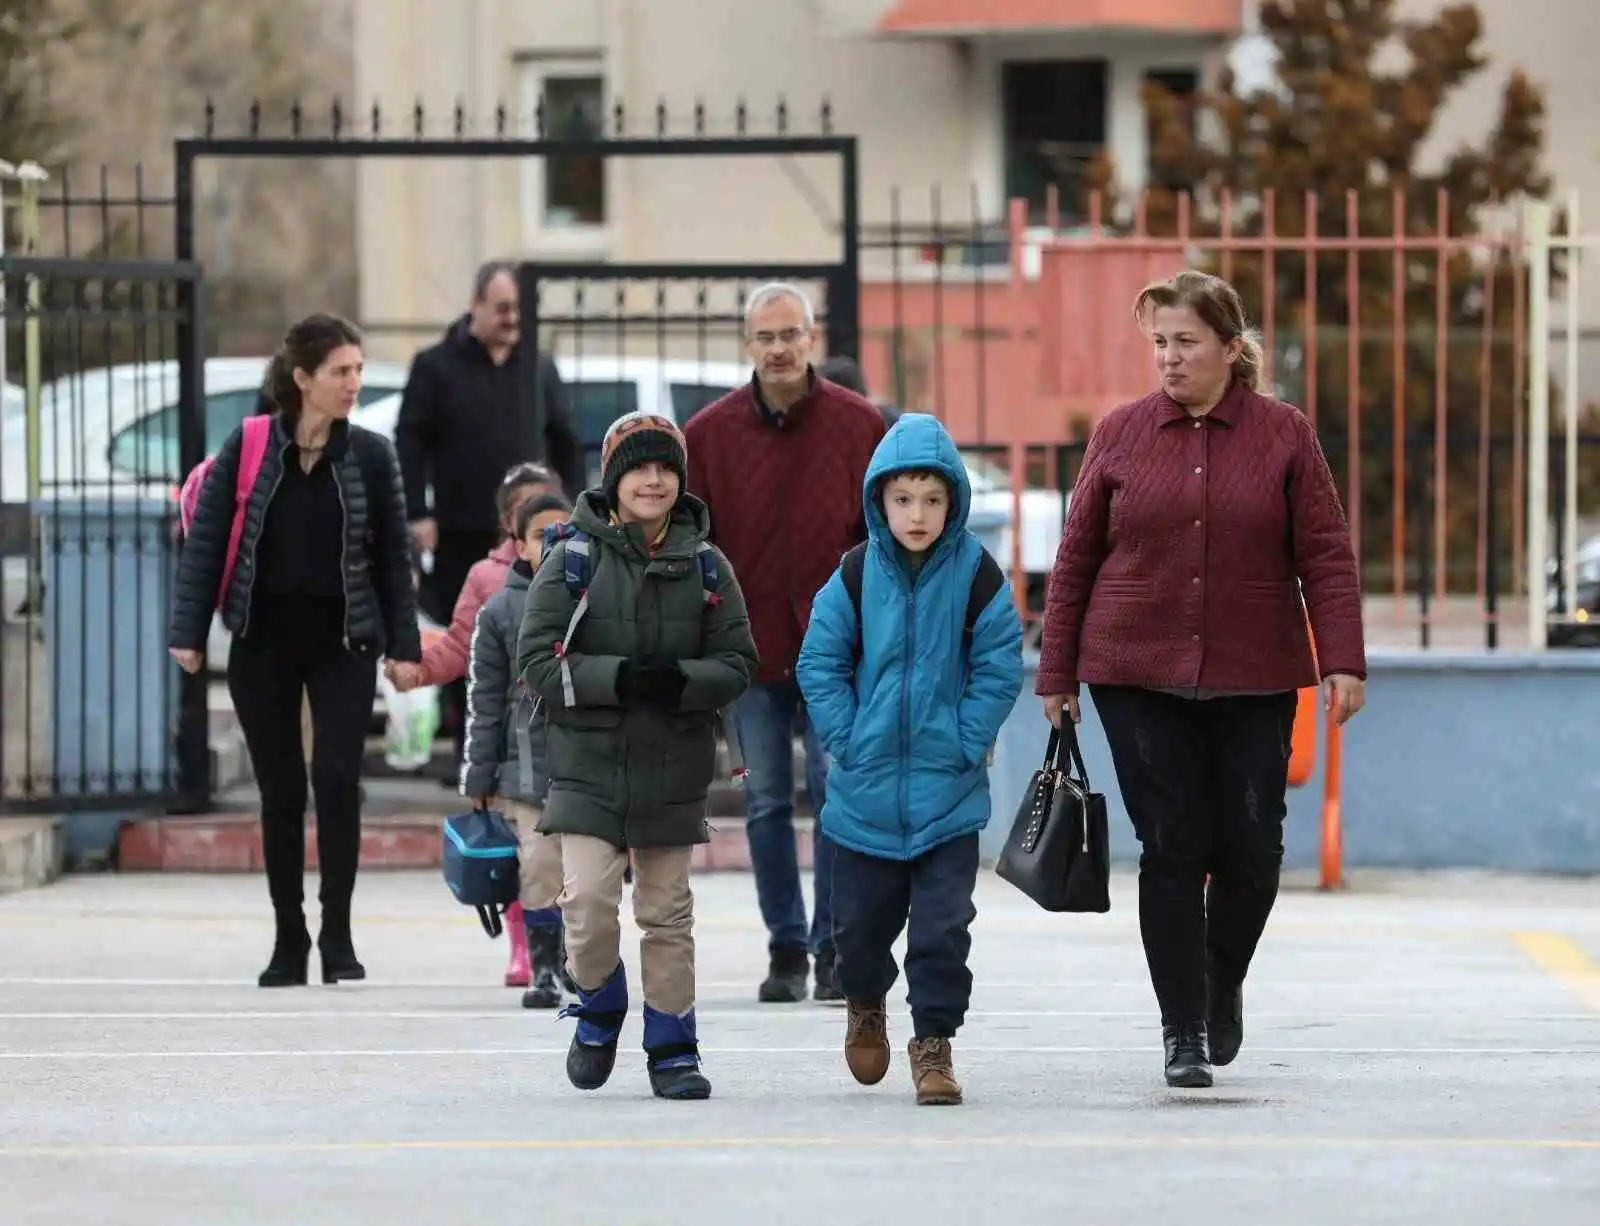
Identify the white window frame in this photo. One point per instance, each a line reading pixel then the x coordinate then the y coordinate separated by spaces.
pixel 539 236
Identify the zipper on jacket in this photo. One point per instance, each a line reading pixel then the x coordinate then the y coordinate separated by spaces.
pixel 344 551
pixel 905 710
pixel 250 585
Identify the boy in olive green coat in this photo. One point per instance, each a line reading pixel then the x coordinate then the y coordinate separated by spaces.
pixel 634 637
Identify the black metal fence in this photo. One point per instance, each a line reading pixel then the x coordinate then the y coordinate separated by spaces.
pixel 918 292
pixel 89 704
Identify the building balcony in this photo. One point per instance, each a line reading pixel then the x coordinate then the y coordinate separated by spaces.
pixel 975 18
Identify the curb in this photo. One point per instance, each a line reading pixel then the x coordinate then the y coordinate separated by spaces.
pixel 231 843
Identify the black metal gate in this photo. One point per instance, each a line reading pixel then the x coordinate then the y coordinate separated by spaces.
pixel 837 282
pixel 90 454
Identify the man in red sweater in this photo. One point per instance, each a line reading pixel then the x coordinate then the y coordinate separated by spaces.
pixel 780 462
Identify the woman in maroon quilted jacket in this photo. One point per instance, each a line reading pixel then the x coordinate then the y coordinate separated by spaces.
pixel 1203 530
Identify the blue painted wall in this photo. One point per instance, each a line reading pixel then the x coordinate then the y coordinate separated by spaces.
pixel 1459 761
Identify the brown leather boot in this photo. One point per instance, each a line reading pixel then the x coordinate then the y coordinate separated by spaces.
pixel 866 1041
pixel 933 1074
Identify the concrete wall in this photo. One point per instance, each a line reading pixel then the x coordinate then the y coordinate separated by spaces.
pixel 1459 761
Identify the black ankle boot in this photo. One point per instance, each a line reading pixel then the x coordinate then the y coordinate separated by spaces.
pixel 827 988
pixel 1224 1018
pixel 787 972
pixel 337 947
pixel 291 954
pixel 1188 1066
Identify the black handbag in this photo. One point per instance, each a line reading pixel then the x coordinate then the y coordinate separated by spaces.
pixel 1058 852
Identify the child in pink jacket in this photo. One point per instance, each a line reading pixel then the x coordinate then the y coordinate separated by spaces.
pixel 446 660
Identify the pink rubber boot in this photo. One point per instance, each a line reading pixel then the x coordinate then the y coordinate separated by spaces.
pixel 518 973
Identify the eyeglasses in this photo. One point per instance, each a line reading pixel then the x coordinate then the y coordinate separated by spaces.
pixel 766 340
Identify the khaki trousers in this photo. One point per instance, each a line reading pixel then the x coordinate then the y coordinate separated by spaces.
pixel 540 861
pixel 663 907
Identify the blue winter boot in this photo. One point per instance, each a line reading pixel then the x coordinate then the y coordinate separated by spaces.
pixel 673 1055
pixel 593 1053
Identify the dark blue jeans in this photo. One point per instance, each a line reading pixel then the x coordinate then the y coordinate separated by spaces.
pixel 931 898
pixel 765 717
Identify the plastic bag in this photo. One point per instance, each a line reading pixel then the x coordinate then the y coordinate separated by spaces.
pixel 412 718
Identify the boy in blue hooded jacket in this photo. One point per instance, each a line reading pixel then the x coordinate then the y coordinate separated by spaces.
pixel 908 697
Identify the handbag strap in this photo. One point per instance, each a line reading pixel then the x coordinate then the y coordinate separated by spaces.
pixel 1064 754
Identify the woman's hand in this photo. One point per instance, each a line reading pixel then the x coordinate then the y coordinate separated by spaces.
pixel 1054 704
pixel 189 661
pixel 1344 695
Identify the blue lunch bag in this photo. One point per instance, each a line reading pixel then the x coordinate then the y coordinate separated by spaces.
pixel 480 864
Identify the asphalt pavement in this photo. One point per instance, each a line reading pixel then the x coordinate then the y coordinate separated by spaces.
pixel 1417 1050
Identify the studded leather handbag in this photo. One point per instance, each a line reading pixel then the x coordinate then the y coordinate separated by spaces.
pixel 1058 852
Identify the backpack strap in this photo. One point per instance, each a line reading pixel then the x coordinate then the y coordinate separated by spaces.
pixel 986 584
pixel 711 582
pixel 987 581
pixel 576 565
pixel 851 567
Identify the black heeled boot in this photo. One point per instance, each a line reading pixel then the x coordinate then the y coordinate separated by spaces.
pixel 337 947
pixel 291 955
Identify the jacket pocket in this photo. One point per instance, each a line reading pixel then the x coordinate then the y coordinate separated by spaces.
pixel 584 751
pixel 690 760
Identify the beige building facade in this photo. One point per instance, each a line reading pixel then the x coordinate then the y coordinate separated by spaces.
pixel 928 103
pixel 958 105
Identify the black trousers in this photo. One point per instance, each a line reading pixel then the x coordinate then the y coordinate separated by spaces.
pixel 931 898
pixel 267 676
pixel 1204 783
pixel 457 552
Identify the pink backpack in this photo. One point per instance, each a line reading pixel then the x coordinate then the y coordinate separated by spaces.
pixel 251 452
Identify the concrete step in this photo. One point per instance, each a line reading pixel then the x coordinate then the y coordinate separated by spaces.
pixel 31 852
pixel 231 843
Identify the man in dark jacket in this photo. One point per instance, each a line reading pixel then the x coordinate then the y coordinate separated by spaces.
pixel 472 407
pixel 475 404
pixel 780 463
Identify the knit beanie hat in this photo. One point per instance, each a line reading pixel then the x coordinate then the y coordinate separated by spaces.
pixel 638 438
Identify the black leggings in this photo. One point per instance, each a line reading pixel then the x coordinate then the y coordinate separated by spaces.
pixel 267 678
pixel 1204 784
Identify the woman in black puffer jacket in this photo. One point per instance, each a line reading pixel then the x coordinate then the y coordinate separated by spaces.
pixel 322 589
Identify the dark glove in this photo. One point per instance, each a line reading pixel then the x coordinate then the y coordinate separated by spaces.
pixel 648 683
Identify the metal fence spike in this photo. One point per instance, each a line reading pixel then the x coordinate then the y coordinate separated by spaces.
pixel 826 115
pixel 377 120
pixel 296 118
pixel 336 119
pixel 255 117
pixel 783 115
pixel 741 117
pixel 419 121
pixel 619 120
pixel 211 118
pixel 661 117
pixel 538 118
pixel 460 123
pixel 699 116
pixel 500 120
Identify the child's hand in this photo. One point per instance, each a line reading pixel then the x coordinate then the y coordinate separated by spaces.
pixel 404 675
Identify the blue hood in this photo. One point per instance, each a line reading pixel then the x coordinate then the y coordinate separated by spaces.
pixel 917 441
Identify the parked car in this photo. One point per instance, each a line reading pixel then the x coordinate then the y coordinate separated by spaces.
pixel 601 389
pixel 113 433
pixel 1582 627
